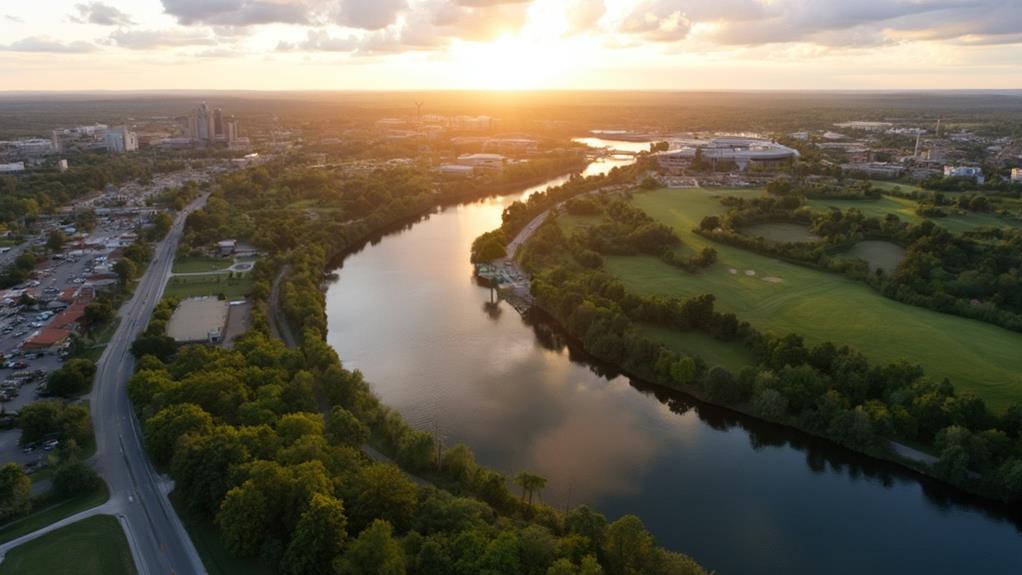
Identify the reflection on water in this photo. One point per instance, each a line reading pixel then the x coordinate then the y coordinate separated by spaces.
pixel 739 495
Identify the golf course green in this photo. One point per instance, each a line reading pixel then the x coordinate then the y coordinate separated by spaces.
pixel 782 298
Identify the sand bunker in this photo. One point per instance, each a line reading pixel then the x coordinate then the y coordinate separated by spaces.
pixel 773 280
pixel 733 271
pixel 750 272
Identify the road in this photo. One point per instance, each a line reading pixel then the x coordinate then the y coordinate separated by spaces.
pixel 160 542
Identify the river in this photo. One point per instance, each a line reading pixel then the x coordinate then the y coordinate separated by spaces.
pixel 738 495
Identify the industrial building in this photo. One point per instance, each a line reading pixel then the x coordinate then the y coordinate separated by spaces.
pixel 974 173
pixel 743 152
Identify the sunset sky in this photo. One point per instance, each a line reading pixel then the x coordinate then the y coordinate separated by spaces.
pixel 510 44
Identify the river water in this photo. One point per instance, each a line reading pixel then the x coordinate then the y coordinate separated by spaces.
pixel 738 495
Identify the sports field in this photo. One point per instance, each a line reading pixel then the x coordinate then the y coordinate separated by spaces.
pixel 781 298
pixel 93 546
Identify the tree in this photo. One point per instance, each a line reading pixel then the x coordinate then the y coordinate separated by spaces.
pixel 74 378
pixel 374 552
pixel 126 270
pixel 629 547
pixel 37 420
pixel 55 241
pixel 15 491
pixel 384 493
pixel 160 346
pixel 342 426
pixel 74 478
pixel 164 429
pixel 97 314
pixel 318 538
pixel 530 484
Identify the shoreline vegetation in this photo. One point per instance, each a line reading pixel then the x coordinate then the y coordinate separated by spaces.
pixel 828 390
pixel 266 442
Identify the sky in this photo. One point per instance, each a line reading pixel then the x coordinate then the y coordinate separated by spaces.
pixel 510 44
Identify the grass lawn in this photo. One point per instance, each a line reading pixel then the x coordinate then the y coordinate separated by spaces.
pixel 194 286
pixel 781 232
pixel 56 512
pixel 905 209
pixel 823 306
pixel 570 223
pixel 216 558
pixel 714 352
pixel 93 546
pixel 879 254
pixel 194 265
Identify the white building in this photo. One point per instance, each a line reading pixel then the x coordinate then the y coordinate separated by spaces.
pixel 456 170
pixel 120 140
pixel 965 172
pixel 13 167
pixel 741 151
pixel 1016 175
pixel 483 162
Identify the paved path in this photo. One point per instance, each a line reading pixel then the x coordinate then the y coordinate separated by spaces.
pixel 109 508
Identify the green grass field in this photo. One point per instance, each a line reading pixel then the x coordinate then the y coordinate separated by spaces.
pixel 195 286
pixel 46 515
pixel 93 546
pixel 714 352
pixel 194 265
pixel 781 232
pixel 879 254
pixel 905 210
pixel 783 298
pixel 570 223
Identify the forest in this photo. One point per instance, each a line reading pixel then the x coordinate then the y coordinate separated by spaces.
pixel 272 443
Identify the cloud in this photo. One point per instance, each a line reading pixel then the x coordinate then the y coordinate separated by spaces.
pixel 657 20
pixel 48 45
pixel 372 15
pixel 148 39
pixel 244 12
pixel 13 18
pixel 101 14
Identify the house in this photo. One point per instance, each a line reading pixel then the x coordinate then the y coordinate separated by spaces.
pixel 226 247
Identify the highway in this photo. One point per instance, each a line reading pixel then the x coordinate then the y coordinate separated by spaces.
pixel 159 541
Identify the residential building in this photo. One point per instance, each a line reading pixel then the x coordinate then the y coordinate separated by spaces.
pixel 1016 175
pixel 965 172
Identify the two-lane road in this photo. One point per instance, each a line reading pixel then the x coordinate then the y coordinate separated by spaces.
pixel 160 542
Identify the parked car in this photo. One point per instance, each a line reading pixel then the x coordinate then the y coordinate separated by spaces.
pixel 50 444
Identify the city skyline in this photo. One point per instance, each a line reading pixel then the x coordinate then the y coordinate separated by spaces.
pixel 509 44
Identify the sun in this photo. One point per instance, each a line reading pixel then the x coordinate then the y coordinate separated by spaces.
pixel 507 63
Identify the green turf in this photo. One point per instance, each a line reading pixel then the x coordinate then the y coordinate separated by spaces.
pixel 214 284
pixel 192 265
pixel 93 546
pixel 781 232
pixel 570 223
pixel 215 557
pixel 714 352
pixel 879 254
pixel 824 306
pixel 55 512
pixel 905 210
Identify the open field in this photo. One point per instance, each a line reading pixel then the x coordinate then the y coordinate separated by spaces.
pixel 781 232
pixel 780 297
pixel 570 223
pixel 905 210
pixel 215 284
pixel 194 265
pixel 879 254
pixel 43 517
pixel 93 546
pixel 714 352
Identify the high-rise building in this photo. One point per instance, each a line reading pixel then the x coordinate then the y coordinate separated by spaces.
pixel 209 126
pixel 120 140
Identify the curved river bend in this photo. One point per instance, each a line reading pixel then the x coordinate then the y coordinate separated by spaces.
pixel 738 495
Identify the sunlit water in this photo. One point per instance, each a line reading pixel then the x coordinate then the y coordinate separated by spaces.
pixel 738 495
